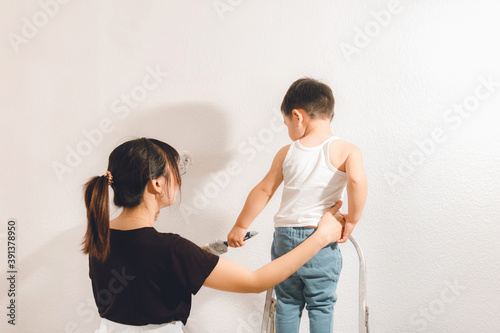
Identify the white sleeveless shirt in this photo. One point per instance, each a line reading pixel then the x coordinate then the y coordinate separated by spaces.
pixel 312 185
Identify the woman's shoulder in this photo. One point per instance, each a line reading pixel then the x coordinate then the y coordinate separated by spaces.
pixel 145 236
pixel 150 237
pixel 174 240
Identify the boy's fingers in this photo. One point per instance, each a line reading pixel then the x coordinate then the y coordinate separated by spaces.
pixel 238 243
pixel 336 207
pixel 345 237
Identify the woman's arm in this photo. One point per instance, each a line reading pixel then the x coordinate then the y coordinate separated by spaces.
pixel 230 276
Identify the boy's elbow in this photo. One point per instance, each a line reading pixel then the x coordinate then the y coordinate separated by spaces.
pixel 263 190
pixel 357 179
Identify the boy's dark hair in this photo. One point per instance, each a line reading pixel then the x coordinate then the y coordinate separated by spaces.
pixel 315 97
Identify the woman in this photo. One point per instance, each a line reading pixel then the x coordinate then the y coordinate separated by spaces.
pixel 142 280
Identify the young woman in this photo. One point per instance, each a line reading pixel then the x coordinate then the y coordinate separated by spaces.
pixel 143 280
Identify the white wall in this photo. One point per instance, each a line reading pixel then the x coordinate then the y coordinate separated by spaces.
pixel 429 230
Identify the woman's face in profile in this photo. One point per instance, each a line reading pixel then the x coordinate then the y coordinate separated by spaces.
pixel 170 192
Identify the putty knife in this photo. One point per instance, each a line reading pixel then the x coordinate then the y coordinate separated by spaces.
pixel 219 247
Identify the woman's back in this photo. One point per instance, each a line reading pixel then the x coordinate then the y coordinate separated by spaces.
pixel 148 277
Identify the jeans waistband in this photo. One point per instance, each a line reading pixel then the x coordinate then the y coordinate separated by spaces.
pixel 298 233
pixel 295 231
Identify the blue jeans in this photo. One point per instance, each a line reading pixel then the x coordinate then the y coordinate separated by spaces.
pixel 314 285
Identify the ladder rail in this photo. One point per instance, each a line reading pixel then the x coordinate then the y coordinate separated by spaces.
pixel 268 316
pixel 363 309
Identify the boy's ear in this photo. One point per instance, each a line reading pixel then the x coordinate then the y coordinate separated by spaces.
pixel 296 113
pixel 300 114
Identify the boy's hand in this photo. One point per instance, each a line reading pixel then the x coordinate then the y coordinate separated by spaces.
pixel 348 228
pixel 236 237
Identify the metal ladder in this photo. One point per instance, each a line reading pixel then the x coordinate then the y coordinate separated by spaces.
pixel 270 303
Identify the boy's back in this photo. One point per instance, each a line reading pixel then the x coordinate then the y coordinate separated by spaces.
pixel 316 168
pixel 312 182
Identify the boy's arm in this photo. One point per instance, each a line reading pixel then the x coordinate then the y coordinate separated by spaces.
pixel 357 189
pixel 258 199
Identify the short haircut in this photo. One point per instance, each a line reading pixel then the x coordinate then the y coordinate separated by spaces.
pixel 315 97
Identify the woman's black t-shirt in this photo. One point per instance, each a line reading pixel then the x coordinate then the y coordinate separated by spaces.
pixel 149 277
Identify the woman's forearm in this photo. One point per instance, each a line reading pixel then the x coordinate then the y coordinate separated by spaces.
pixel 281 268
pixel 230 276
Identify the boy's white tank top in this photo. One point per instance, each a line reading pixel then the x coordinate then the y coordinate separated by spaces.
pixel 312 185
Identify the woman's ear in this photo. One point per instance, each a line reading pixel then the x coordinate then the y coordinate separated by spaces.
pixel 156 184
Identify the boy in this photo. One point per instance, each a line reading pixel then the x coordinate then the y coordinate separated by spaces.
pixel 316 168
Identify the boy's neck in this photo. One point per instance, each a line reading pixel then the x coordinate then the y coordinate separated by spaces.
pixel 317 130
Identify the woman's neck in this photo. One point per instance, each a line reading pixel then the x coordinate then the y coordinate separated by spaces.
pixel 133 218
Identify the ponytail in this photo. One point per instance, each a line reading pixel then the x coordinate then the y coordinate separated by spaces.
pixel 96 242
pixel 133 163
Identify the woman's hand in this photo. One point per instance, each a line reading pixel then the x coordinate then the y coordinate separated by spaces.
pixel 331 225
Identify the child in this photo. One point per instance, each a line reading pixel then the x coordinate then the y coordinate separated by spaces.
pixel 316 168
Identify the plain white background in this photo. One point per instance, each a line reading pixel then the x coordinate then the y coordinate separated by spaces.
pixel 411 85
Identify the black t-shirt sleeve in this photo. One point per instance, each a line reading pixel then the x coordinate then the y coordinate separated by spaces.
pixel 190 264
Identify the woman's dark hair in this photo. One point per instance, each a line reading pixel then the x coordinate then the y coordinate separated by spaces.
pixel 132 164
pixel 315 97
